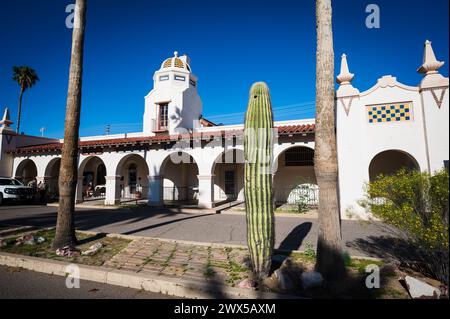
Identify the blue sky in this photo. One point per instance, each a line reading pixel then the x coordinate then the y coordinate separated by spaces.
pixel 231 44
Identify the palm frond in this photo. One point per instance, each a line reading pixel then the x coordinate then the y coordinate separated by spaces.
pixel 25 76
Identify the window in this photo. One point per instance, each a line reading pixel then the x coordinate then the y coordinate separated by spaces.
pixel 163 78
pixel 299 156
pixel 9 182
pixel 163 116
pixel 192 82
pixel 230 184
pixel 180 78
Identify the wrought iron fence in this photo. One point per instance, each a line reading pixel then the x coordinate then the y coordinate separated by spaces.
pixel 305 194
pixel 99 192
pixel 174 193
pixel 227 195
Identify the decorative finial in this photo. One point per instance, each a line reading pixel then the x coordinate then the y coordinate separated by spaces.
pixel 6 122
pixel 430 64
pixel 345 77
pixel 175 54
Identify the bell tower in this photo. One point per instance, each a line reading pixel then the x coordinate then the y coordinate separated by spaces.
pixel 173 106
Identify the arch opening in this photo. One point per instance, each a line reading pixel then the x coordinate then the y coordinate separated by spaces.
pixel 228 172
pixel 52 177
pixel 133 171
pixel 390 162
pixel 93 171
pixel 26 172
pixel 295 179
pixel 180 184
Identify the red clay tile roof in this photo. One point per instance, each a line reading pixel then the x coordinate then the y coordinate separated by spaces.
pixel 206 123
pixel 143 141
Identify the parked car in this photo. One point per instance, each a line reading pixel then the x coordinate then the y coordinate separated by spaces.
pixel 12 189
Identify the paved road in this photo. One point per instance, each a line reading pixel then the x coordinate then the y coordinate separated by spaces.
pixel 291 232
pixel 23 284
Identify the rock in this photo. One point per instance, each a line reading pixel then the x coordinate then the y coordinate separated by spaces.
pixel 246 284
pixel 40 240
pixel 311 279
pixel 92 250
pixel 67 252
pixel 247 263
pixel 287 263
pixel 3 243
pixel 271 283
pixel 421 290
pixel 389 269
pixel 284 281
pixel 25 240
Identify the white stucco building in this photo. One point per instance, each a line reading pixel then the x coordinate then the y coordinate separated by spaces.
pixel 179 157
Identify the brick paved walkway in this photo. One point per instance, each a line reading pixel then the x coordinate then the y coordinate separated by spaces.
pixel 151 256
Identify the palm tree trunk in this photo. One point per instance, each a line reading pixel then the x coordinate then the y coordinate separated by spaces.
pixel 330 261
pixel 19 111
pixel 65 227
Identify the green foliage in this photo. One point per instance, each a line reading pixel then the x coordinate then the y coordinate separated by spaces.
pixel 258 191
pixel 347 259
pixel 25 76
pixel 310 253
pixel 302 204
pixel 416 204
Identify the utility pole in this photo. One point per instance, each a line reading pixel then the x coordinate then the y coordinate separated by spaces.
pixel 108 129
pixel 42 130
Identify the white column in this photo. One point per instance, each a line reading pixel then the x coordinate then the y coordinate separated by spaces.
pixel 155 190
pixel 79 192
pixel 205 191
pixel 112 190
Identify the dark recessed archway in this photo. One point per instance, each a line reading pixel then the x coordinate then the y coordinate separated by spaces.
pixel 390 162
pixel 26 171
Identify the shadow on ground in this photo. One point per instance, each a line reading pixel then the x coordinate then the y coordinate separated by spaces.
pixel 389 248
pixel 91 219
pixel 294 240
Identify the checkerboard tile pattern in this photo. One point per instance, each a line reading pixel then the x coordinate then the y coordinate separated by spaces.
pixel 397 112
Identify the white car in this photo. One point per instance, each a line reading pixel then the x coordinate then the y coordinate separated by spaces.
pixel 11 189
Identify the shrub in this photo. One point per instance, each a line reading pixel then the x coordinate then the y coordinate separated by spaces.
pixel 416 204
pixel 302 204
pixel 309 251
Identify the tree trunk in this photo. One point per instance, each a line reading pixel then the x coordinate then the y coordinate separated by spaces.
pixel 19 111
pixel 68 175
pixel 330 260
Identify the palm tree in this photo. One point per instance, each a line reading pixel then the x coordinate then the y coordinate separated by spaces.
pixel 68 175
pixel 330 261
pixel 26 77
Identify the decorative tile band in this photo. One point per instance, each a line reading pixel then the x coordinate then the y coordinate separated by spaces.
pixel 396 112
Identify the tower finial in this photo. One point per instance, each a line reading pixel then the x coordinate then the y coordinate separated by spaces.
pixel 175 54
pixel 345 77
pixel 430 64
pixel 6 122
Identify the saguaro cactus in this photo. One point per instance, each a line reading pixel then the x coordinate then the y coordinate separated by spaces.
pixel 258 151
